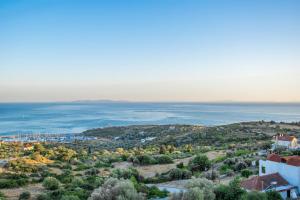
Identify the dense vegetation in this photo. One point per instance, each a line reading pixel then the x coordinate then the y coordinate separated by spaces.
pixel 200 156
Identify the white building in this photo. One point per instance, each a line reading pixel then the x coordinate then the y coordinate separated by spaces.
pixel 277 173
pixel 286 141
pixel 270 182
pixel 288 167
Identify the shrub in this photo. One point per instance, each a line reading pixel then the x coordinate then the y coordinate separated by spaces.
pixel 200 163
pixel 81 167
pixel 219 159
pixel 126 173
pixel 12 183
pixel 117 189
pixel 240 165
pixel 164 159
pixel 154 192
pixel 197 189
pixel 242 152
pixel 175 174
pixel 69 197
pixel 101 164
pixel 92 172
pixel 224 169
pixel 254 196
pixel 178 174
pixel 180 165
pixel 232 191
pixel 24 195
pixel 246 173
pixel 221 192
pixel 43 197
pixel 51 183
pixel 192 194
pixel 229 161
pixel 146 160
pixel 273 195
pixel 211 175
pixel 2 196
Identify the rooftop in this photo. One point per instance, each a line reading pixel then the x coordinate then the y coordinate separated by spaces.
pixel 289 160
pixel 261 183
pixel 285 137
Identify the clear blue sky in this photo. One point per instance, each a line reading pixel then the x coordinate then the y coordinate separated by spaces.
pixel 150 50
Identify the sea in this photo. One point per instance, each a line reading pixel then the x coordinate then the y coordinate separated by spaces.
pixel 76 117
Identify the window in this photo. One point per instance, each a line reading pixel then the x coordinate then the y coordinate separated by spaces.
pixel 263 169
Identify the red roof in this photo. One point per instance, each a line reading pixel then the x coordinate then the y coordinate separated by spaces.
pixel 263 182
pixel 289 160
pixel 292 160
pixel 274 157
pixel 285 137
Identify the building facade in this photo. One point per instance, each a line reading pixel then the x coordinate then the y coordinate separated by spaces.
pixel 288 167
pixel 286 141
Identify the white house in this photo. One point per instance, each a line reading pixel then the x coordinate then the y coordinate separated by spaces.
pixel 270 182
pixel 288 167
pixel 287 141
pixel 277 173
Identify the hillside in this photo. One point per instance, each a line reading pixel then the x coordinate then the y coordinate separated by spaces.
pixel 177 135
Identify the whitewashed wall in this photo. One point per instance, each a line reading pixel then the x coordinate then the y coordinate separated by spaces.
pixel 289 172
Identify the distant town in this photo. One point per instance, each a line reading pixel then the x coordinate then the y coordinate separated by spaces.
pixel 63 138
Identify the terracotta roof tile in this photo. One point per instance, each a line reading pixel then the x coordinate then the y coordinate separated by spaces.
pixel 263 182
pixel 274 157
pixel 285 137
pixel 292 160
pixel 289 160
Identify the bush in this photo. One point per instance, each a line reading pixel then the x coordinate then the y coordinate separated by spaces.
pixel 43 197
pixel 126 173
pixel 2 196
pixel 200 163
pixel 211 175
pixel 246 173
pixel 69 197
pixel 12 183
pixel 224 169
pixel 117 189
pixel 92 172
pixel 164 159
pixel 102 164
pixel 242 152
pixel 154 192
pixel 232 191
pixel 197 189
pixel 219 159
pixel 254 196
pixel 146 160
pixel 51 183
pixel 192 194
pixel 178 174
pixel 273 195
pixel 24 195
pixel 180 165
pixel 175 174
pixel 229 161
pixel 240 165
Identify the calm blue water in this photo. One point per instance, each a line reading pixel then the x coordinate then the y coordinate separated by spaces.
pixel 77 117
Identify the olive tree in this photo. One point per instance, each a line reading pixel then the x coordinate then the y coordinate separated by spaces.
pixel 116 189
pixel 197 189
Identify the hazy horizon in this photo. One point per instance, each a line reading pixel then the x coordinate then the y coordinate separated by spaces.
pixel 150 51
pixel 134 101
